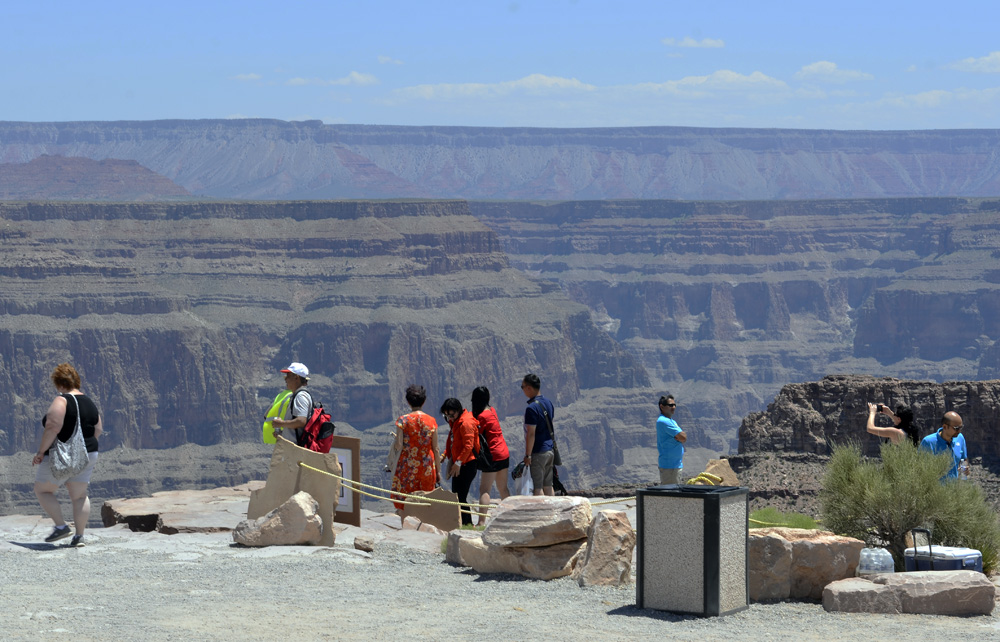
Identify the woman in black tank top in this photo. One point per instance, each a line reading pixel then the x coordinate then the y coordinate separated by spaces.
pixel 59 423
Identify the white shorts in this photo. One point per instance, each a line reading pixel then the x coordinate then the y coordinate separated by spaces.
pixel 44 473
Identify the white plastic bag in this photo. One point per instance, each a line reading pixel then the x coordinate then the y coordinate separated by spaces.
pixel 524 485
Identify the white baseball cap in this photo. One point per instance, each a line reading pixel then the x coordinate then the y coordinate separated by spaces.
pixel 298 369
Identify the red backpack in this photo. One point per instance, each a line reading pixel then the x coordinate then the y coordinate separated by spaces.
pixel 317 434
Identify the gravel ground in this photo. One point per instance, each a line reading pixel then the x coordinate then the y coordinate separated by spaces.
pixel 127 586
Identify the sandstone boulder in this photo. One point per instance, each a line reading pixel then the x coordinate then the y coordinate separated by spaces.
pixel 860 595
pixel 182 511
pixel 608 557
pixel 294 523
pixel 942 592
pixel 926 592
pixel 286 478
pixel 817 558
pixel 721 468
pixel 453 553
pixel 537 562
pixel 538 521
pixel 364 543
pixel 770 567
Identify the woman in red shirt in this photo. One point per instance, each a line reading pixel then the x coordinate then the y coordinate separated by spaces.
pixel 489 427
pixel 461 449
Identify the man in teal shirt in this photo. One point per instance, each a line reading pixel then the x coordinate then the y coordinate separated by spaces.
pixel 948 438
pixel 670 442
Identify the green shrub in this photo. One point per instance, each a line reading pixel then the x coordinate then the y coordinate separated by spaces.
pixel 880 501
pixel 769 516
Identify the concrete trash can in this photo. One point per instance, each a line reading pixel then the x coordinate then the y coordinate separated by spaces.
pixel 692 549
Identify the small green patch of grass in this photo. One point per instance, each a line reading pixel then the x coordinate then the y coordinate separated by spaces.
pixel 770 516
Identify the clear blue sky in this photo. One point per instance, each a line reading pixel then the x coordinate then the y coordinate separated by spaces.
pixel 542 63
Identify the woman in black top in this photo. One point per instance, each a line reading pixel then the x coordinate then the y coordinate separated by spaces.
pixel 59 423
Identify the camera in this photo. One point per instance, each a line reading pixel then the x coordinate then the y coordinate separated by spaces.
pixel 880 407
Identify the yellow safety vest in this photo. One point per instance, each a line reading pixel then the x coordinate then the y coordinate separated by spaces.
pixel 277 409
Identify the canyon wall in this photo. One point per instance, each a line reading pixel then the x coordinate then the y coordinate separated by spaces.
pixel 179 317
pixel 725 302
pixel 271 159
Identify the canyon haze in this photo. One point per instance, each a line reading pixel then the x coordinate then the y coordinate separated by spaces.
pixel 180 313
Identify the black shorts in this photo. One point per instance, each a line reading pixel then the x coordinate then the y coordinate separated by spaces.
pixel 496 467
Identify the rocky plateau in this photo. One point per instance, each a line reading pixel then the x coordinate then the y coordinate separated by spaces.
pixel 272 159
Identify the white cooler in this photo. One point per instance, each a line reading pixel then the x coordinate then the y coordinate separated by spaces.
pixel 943 558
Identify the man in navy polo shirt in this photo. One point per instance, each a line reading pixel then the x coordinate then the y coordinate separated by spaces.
pixel 948 438
pixel 538 455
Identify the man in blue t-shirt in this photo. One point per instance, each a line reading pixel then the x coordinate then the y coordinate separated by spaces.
pixel 948 438
pixel 670 442
pixel 538 455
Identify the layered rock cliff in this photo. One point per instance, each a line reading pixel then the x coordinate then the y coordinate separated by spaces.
pixel 179 317
pixel 783 450
pixel 270 159
pixel 724 303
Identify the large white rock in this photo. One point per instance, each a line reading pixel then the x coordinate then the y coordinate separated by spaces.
pixel 770 568
pixel 542 563
pixel 452 553
pixel 860 595
pixel 608 557
pixel 538 521
pixel 296 522
pixel 926 592
pixel 817 558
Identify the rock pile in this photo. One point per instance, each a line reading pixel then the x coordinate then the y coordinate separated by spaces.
pixel 799 563
pixel 295 523
pixel 549 537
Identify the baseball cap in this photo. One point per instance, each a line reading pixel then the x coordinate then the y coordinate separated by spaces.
pixel 298 369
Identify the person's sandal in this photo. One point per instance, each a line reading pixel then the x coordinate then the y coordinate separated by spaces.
pixel 59 533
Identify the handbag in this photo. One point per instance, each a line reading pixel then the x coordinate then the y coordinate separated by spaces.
pixel 69 458
pixel 484 458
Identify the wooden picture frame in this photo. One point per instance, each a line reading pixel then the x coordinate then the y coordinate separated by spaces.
pixel 348 451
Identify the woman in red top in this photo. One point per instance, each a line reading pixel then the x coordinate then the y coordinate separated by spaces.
pixel 461 449
pixel 489 426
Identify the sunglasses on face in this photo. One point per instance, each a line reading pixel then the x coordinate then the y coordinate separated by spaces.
pixel 670 405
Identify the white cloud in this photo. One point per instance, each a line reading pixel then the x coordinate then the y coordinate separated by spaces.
pixel 533 84
pixel 688 41
pixel 353 78
pixel 386 60
pixel 826 71
pixel 247 77
pixel 986 65
pixel 722 80
pixel 942 98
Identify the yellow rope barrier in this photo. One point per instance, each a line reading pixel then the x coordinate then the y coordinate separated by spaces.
pixel 353 485
pixel 613 501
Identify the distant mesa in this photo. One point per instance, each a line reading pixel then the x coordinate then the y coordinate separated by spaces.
pixel 257 159
pixel 82 179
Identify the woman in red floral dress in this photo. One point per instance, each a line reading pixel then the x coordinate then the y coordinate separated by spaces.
pixel 417 444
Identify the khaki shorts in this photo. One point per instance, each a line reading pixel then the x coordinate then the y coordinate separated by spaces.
pixel 541 469
pixel 44 473
pixel 670 475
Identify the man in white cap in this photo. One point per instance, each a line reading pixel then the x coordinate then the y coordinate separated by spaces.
pixel 301 403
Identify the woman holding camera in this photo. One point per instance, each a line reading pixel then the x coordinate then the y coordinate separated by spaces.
pixel 902 421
